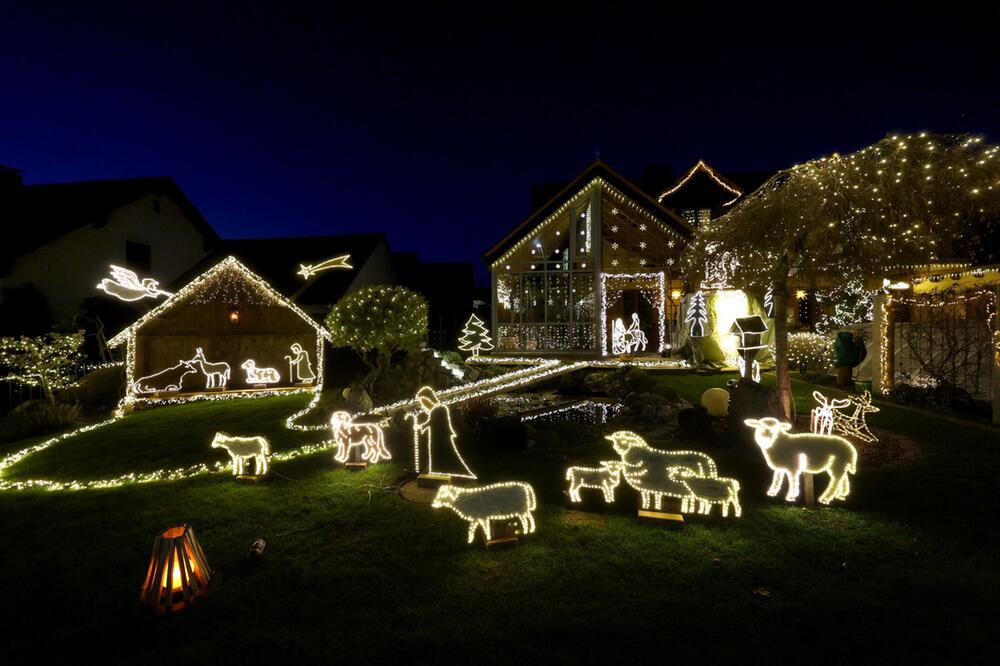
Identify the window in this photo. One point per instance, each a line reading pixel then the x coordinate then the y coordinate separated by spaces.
pixel 138 256
pixel 704 216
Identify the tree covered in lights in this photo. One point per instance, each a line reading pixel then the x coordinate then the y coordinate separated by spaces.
pixel 46 360
pixel 909 199
pixel 377 322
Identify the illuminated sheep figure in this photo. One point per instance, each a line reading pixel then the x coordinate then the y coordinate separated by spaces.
pixel 605 479
pixel 648 470
pixel 789 455
pixel 498 501
pixel 257 375
pixel 242 449
pixel 349 435
pixel 707 492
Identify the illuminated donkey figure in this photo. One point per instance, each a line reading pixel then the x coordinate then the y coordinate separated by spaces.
pixel 242 449
pixel 216 374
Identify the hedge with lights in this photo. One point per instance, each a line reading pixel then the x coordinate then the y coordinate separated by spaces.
pixel 46 361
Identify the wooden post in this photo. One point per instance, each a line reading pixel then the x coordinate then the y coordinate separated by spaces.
pixel 780 296
pixel 808 489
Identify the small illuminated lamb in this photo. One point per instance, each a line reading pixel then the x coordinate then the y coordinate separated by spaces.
pixel 706 492
pixel 605 479
pixel 257 375
pixel 367 436
pixel 791 454
pixel 498 501
pixel 242 449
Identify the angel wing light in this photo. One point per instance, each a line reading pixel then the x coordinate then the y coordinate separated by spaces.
pixel 125 285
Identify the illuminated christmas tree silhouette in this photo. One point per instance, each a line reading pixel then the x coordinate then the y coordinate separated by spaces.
pixel 475 337
pixel 697 314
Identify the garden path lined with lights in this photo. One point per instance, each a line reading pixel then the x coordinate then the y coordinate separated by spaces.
pixel 537 369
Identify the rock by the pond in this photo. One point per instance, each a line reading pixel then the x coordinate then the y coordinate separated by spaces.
pixel 696 424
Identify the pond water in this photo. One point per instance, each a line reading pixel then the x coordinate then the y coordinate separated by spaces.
pixel 591 412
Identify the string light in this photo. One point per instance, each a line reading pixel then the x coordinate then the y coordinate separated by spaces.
pixel 244 449
pixel 627 341
pixel 789 455
pixel 715 175
pixel 257 375
pixel 707 492
pixel 125 285
pixel 605 479
pixel 349 435
pixel 483 504
pixel 832 416
pixel 475 337
pixel 307 270
pixel 653 288
pixel 697 315
pixel 431 409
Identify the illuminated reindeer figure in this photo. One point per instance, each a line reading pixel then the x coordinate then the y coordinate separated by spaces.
pixel 853 423
pixel 821 417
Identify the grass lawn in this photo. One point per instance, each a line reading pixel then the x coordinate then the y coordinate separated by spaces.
pixel 908 566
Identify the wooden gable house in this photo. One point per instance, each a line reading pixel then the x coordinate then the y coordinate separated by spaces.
pixel 227 331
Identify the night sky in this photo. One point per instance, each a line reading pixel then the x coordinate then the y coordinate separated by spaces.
pixel 432 124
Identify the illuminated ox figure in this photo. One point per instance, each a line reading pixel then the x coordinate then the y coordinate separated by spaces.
pixel 499 501
pixel 789 455
pixel 350 435
pixel 243 449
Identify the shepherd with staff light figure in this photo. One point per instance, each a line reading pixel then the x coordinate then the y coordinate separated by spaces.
pixel 299 367
pixel 434 449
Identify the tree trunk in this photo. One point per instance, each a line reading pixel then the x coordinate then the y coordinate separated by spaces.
pixel 781 338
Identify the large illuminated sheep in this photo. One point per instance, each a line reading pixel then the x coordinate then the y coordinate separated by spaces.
pixel 789 455
pixel 648 470
pixel 498 501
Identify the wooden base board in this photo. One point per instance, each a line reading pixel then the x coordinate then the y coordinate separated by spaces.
pixel 356 466
pixel 675 520
pixel 433 480
pixel 249 478
pixel 504 536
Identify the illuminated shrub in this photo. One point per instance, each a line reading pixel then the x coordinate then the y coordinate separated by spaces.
pixel 810 351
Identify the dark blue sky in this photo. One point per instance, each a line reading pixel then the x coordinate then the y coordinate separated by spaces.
pixel 432 124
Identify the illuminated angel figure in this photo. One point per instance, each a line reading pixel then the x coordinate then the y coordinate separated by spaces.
pixel 434 448
pixel 299 367
pixel 125 285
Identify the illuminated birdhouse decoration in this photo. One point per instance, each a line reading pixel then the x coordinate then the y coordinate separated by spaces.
pixel 751 331
pixel 178 572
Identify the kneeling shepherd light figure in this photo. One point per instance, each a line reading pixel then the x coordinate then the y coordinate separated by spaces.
pixel 789 455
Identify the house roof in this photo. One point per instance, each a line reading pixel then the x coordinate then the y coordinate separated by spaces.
pixel 703 182
pixel 46 212
pixel 278 259
pixel 196 285
pixel 597 169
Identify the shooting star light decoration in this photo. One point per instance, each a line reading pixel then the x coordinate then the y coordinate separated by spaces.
pixel 125 285
pixel 309 270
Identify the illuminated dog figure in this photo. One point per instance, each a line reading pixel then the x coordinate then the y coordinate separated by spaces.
pixel 367 436
pixel 705 492
pixel 605 479
pixel 498 501
pixel 789 455
pixel 242 449
pixel 257 375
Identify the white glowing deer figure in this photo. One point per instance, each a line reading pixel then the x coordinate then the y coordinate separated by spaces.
pixel 821 417
pixel 852 422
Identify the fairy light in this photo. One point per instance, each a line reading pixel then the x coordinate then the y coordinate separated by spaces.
pixel 125 285
pixel 844 416
pixel 256 375
pixel 475 337
pixel 482 504
pixel 789 455
pixel 423 430
pixel 651 285
pixel 605 479
pixel 715 175
pixel 306 271
pixel 349 435
pixel 244 449
pixel 697 315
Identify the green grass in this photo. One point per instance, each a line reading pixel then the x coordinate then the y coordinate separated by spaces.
pixel 907 566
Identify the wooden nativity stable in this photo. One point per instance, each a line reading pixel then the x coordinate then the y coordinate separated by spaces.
pixel 226 332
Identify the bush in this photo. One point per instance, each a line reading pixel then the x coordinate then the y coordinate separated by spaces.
pixel 39 417
pixel 810 351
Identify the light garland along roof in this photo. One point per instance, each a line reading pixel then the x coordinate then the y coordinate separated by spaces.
pixel 723 182
pixel 600 175
pixel 193 287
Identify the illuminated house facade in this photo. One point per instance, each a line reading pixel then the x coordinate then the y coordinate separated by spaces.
pixel 600 250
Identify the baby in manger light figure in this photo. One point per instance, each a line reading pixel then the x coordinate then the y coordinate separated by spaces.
pixel 434 449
